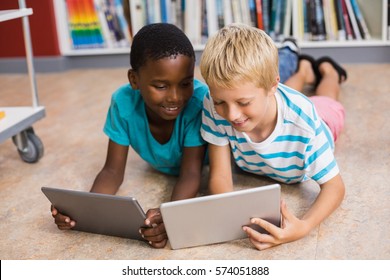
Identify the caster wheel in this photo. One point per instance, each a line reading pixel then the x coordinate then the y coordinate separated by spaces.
pixel 34 149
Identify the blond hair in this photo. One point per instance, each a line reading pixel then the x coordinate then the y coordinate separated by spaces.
pixel 239 54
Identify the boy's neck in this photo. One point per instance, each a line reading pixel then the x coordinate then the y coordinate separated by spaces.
pixel 265 128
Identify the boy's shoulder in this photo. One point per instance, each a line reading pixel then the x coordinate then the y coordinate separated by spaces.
pixel 200 90
pixel 298 109
pixel 124 91
pixel 126 95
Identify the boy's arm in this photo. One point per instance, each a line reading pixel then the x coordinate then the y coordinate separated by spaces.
pixel 187 186
pixel 220 180
pixel 107 181
pixel 329 198
pixel 189 180
pixel 111 176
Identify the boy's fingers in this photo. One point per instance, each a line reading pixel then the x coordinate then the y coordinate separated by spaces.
pixel 257 236
pixel 153 216
pixel 270 228
pixel 53 210
pixel 153 231
pixel 154 220
pixel 158 245
pixel 156 238
pixel 261 246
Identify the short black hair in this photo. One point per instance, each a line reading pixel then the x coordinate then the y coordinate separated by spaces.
pixel 156 41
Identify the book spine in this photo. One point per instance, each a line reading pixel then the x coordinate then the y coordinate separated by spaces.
pixel 137 15
pixel 340 21
pixel 287 19
pixel 227 12
pixel 348 27
pixel 259 14
pixel 352 17
pixel 212 18
pixel 306 9
pixel 317 26
pixel 266 15
pixel 360 20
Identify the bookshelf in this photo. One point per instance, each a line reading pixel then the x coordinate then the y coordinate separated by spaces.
pixel 375 13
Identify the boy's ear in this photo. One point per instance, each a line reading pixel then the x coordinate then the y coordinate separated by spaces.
pixel 275 85
pixel 132 76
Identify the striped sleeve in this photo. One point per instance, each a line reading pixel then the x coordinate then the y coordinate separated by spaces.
pixel 320 163
pixel 213 126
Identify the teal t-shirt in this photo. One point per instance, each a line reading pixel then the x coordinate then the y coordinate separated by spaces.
pixel 127 125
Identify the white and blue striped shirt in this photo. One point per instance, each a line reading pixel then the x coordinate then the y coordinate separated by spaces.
pixel 300 147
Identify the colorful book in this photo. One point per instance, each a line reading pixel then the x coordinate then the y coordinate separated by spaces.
pixel 259 14
pixel 84 26
pixel 306 20
pixel 317 21
pixel 348 26
pixel 137 15
pixel 220 15
pixel 266 7
pixel 352 18
pixel 360 20
pixel 252 13
pixel 341 33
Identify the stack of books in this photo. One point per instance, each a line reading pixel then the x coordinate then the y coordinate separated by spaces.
pixel 97 24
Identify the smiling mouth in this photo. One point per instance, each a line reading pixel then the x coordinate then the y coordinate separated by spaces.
pixel 173 108
pixel 239 123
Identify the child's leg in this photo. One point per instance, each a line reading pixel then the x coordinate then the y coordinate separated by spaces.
pixel 288 63
pixel 329 85
pixel 304 75
pixel 288 59
pixel 326 95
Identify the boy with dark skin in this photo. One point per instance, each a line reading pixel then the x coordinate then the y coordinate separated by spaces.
pixel 159 116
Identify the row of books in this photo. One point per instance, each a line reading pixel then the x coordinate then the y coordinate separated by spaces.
pixel 111 23
pixel 331 20
pixel 97 24
pixel 200 19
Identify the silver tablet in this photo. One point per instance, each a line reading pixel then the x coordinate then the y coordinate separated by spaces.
pixel 219 218
pixel 99 213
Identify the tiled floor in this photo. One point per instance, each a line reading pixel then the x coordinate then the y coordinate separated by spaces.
pixel 75 146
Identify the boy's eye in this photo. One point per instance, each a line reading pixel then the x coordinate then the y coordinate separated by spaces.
pixel 243 103
pixel 160 87
pixel 187 83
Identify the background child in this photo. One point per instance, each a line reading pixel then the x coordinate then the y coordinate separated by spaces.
pixel 269 128
pixel 159 115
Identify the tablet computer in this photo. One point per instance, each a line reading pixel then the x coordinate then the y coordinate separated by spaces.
pixel 219 218
pixel 99 213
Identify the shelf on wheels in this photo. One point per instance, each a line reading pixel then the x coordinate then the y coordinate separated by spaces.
pixel 16 122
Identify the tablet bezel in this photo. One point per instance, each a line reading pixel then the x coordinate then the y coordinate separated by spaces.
pixel 99 213
pixel 219 218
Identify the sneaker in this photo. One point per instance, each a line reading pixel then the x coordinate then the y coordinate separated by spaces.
pixel 292 44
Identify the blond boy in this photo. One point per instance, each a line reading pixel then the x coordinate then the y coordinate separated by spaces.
pixel 270 129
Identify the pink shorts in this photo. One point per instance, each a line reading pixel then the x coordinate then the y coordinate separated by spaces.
pixel 331 112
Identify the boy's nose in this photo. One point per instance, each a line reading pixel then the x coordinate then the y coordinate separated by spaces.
pixel 233 113
pixel 173 96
